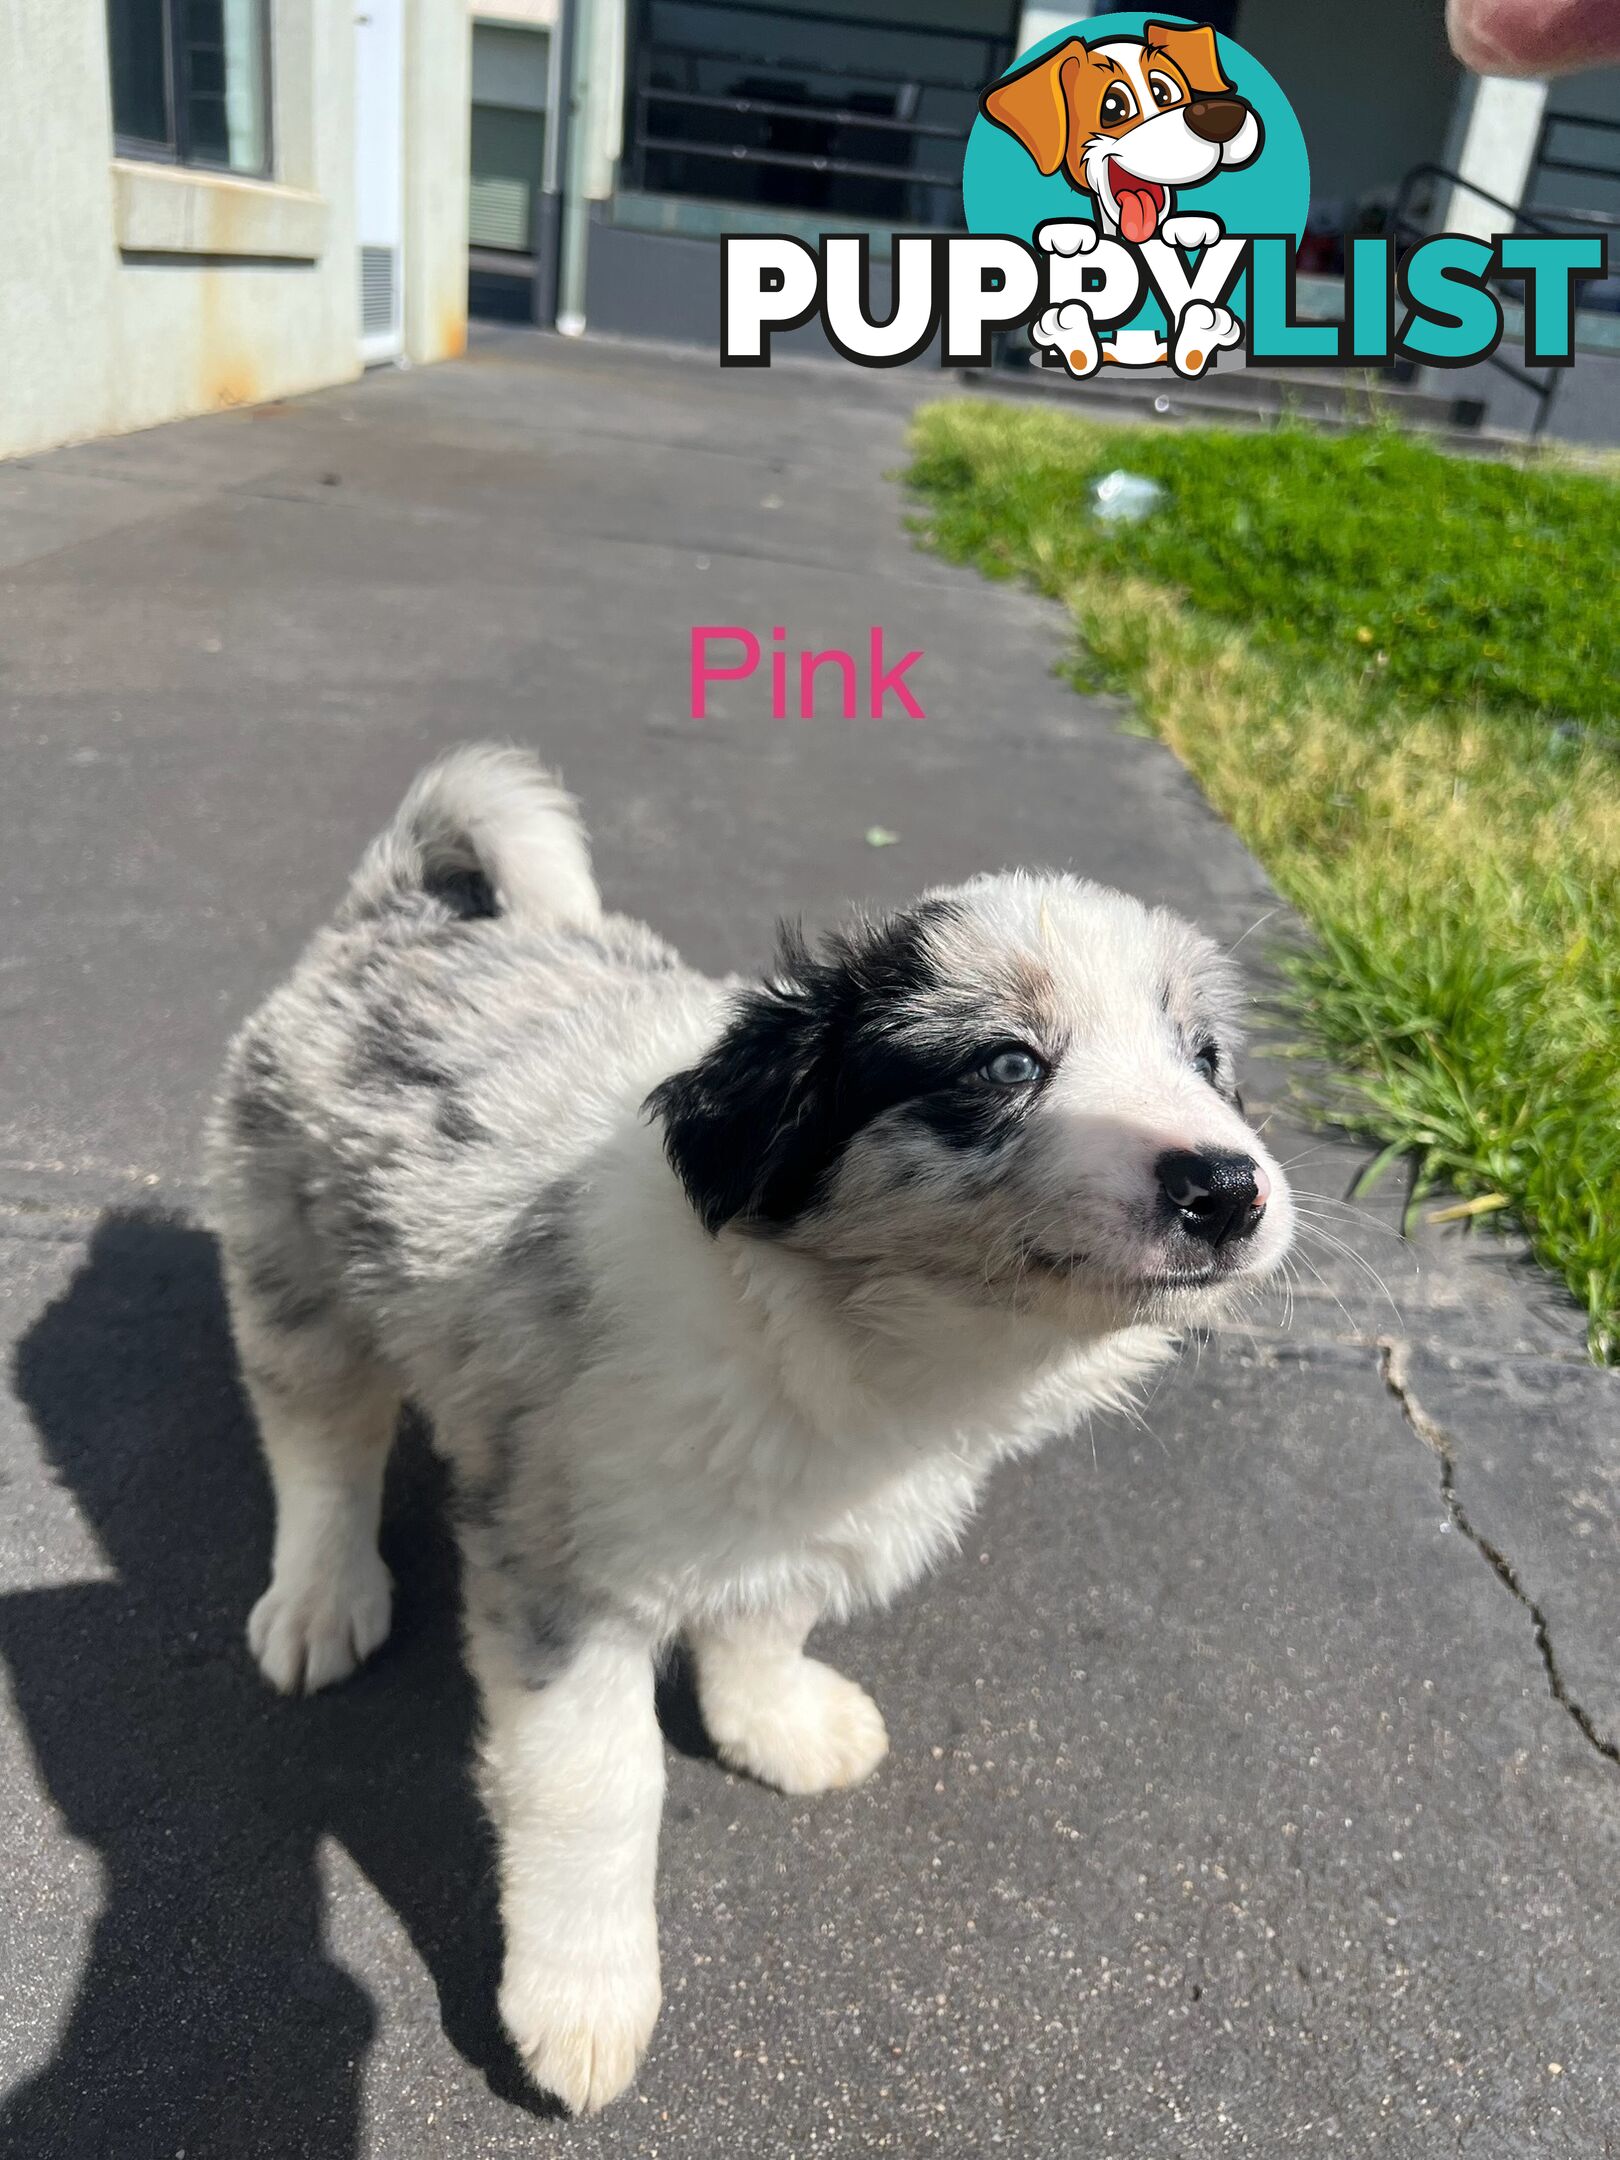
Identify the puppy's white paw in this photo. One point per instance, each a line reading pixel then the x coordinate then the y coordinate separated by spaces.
pixel 1191 229
pixel 815 1732
pixel 582 2027
pixel 1202 332
pixel 1066 236
pixel 306 1635
pixel 1070 333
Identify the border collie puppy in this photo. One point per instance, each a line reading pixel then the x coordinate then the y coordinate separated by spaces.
pixel 722 1298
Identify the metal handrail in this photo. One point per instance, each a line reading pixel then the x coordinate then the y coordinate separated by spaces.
pixel 1544 386
pixel 824 115
pixel 737 56
pixel 1602 220
pixel 1543 162
pixel 1516 211
pixel 1573 165
pixel 844 21
pixel 799 161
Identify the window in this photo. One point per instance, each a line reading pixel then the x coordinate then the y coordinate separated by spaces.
pixel 815 105
pixel 191 81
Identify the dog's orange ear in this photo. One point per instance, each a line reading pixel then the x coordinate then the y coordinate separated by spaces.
pixel 1033 105
pixel 1193 51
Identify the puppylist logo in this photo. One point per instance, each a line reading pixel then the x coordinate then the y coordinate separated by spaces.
pixel 1135 189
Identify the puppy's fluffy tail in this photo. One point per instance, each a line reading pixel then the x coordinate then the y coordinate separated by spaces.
pixel 484 831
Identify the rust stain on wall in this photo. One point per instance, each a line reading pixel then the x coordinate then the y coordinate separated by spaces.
pixel 230 386
pixel 450 330
pixel 224 375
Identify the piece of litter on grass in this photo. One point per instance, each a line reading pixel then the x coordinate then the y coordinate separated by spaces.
pixel 880 836
pixel 1124 498
pixel 1485 1204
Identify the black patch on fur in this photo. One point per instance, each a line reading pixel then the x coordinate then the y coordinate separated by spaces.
pixel 457 1124
pixel 481 1501
pixel 463 1343
pixel 257 1109
pixel 970 1119
pixel 267 1379
pixel 812 1057
pixel 257 1116
pixel 283 1302
pixel 466 892
pixel 543 1625
pixel 545 1243
pixel 524 1596
pixel 388 1053
pixel 366 1226
pixel 523 1593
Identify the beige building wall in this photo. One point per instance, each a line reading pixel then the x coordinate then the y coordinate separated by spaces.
pixel 135 292
pixel 438 125
pixel 531 14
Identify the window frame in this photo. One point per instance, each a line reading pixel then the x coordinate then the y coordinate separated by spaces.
pixel 758 24
pixel 177 152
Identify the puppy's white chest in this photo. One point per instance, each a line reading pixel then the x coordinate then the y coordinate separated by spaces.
pixel 881 1547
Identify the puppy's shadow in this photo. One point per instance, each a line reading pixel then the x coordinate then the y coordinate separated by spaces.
pixel 210 2015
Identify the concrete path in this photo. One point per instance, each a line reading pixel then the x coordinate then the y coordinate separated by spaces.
pixel 1254 1783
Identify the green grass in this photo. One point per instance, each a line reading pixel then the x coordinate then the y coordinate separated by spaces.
pixel 1395 673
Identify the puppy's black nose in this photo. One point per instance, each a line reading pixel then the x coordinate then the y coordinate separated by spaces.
pixel 1217 1197
pixel 1216 119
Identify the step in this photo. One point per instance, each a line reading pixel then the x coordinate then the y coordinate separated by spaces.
pixel 1334 397
pixel 1361 392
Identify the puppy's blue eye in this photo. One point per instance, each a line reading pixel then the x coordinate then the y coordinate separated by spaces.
pixel 1012 1068
pixel 1207 1060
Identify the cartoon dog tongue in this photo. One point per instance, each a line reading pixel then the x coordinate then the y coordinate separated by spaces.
pixel 1138 210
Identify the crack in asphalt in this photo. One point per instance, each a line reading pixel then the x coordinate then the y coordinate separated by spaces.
pixel 1392 1365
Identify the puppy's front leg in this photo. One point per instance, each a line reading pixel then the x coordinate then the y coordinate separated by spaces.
pixel 781 1716
pixel 574 1778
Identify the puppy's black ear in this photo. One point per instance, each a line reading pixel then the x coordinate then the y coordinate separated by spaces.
pixel 746 1129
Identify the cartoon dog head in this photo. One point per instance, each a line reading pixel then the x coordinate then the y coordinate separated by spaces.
pixel 1128 120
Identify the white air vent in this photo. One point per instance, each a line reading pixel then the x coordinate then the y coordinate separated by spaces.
pixel 379 267
pixel 498 214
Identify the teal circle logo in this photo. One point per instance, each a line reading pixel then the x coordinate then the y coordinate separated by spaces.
pixel 1128 122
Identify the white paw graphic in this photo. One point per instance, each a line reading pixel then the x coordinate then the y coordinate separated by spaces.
pixel 1191 229
pixel 582 2023
pixel 1069 331
pixel 1066 236
pixel 820 1731
pixel 1202 332
pixel 306 1635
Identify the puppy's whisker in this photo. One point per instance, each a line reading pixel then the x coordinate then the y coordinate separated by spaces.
pixel 1330 1243
pixel 1310 1203
pixel 1321 1280
pixel 1259 924
pixel 1328 1233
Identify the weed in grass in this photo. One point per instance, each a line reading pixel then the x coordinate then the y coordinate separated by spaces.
pixel 1394 672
